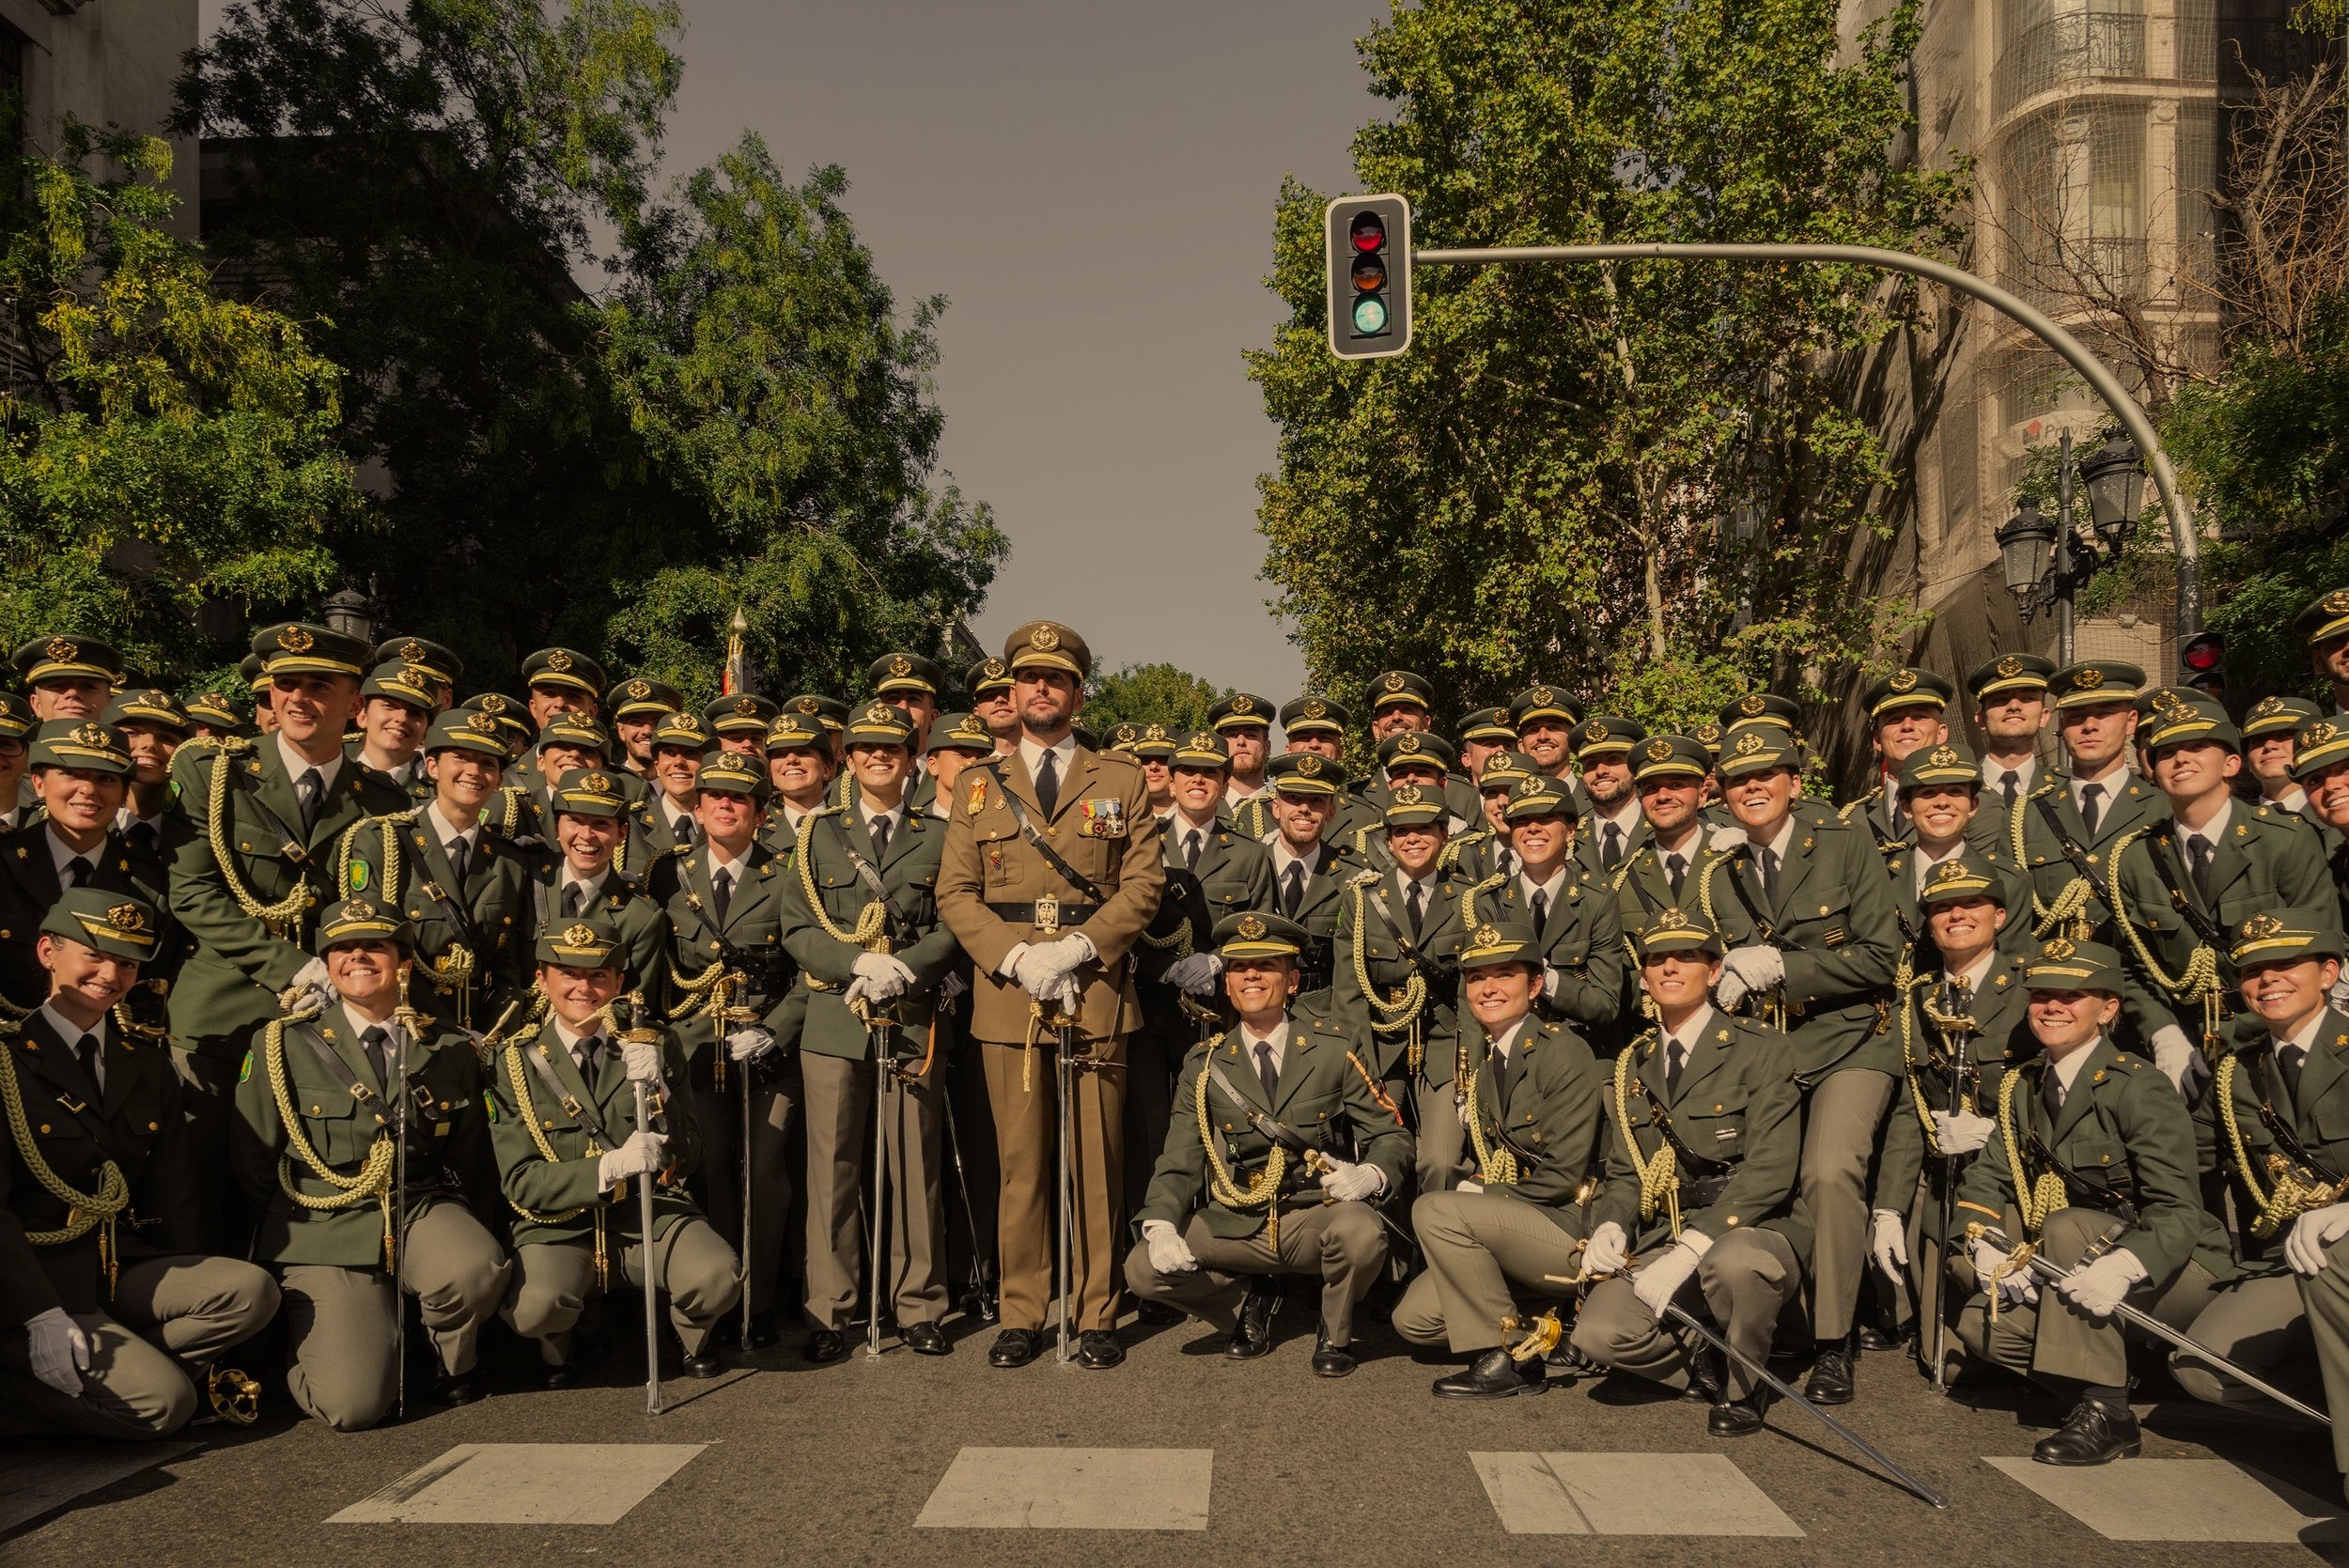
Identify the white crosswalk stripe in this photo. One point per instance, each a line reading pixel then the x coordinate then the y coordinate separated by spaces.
pixel 2180 1500
pixel 1626 1494
pixel 525 1483
pixel 1044 1488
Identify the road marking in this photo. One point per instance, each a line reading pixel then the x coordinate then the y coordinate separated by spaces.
pixel 991 1488
pixel 1626 1494
pixel 2180 1500
pixel 525 1483
pixel 39 1476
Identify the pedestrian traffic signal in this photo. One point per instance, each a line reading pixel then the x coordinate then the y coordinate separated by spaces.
pixel 1369 277
pixel 2202 662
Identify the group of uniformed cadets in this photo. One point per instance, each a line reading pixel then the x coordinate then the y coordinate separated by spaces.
pixel 1544 1041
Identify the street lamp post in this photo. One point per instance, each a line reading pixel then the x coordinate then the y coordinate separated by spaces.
pixel 2047 561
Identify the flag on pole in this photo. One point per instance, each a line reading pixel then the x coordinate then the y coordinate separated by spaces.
pixel 736 677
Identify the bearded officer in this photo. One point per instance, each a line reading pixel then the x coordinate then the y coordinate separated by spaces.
pixel 1051 871
pixel 2323 625
pixel 1243 722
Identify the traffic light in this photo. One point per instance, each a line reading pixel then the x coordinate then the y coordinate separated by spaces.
pixel 2202 662
pixel 1369 275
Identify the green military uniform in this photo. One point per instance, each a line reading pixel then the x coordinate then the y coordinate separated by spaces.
pixel 1236 1203
pixel 562 1104
pixel 320 1116
pixel 1879 810
pixel 556 895
pixel 795 732
pixel 661 825
pixel 1578 932
pixel 413 689
pixel 2317 751
pixel 847 936
pixel 1652 879
pixel 99 1228
pixel 1911 863
pixel 1539 1109
pixel 1311 890
pixel 1603 846
pixel 2067 857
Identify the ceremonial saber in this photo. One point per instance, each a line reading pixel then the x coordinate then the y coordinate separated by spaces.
pixel 876 1035
pixel 750 1249
pixel 962 1187
pixel 652 1289
pixel 1064 1040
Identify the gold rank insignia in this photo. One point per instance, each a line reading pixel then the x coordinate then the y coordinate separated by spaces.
pixel 746 708
pixel 294 640
pixel 640 687
pixel 1408 743
pixel 1251 928
pixel 1751 702
pixel 2010 667
pixel 559 660
pixel 126 918
pixel 1044 639
pixel 1943 756
pixel 492 702
pixel 1243 704
pixel 1749 743
pixel 596 783
pixel 901 665
pixel 2088 680
pixel 1394 681
pixel 63 649
pixel 2058 948
pixel 2260 926
pixel 1902 680
pixel 1488 936
pixel 1406 795
pixel 579 936
pixel 1658 750
pixel 1309 765
pixel 412 652
pixel 1316 708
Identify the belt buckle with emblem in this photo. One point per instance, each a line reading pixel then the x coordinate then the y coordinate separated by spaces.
pixel 1048 916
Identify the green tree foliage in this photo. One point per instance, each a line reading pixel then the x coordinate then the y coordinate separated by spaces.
pixel 1651 482
pixel 1150 695
pixel 160 447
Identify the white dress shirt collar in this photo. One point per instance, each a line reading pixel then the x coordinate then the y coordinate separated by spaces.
pixel 296 765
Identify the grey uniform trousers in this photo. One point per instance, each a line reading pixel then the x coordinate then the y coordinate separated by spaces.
pixel 690 1262
pixel 839 1111
pixel 1746 1279
pixel 1344 1244
pixel 1478 1246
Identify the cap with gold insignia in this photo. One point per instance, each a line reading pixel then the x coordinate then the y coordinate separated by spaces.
pixel 511 716
pixel 2271 716
pixel 2009 672
pixel 1250 935
pixel 588 941
pixel 589 792
pixel 2324 619
pixel 567 669
pixel 1488 726
pixel 2156 698
pixel 1504 768
pixel 2318 746
pixel 83 744
pixel 2093 681
pixel 732 773
pixel 687 731
pixel 1542 701
pixel 1907 687
pixel 120 925
pixel 959 732
pixel 298 648
pixel 16 717
pixel 1304 774
pixel 218 709
pixel 437 662
pixel 1676 930
pixel 1761 708
pixel 147 706
pixel 1668 756
pixel 827 713
pixel 1154 743
pixel 1499 941
pixel 569 729
pixel 1537 796
pixel 638 697
pixel 988 675
pixel 1606 736
pixel 745 714
pixel 400 683
pixel 1944 764
pixel 1123 735
pixel 1047 645
pixel 469 731
pixel 878 723
pixel 1409 805
pixel 1401 689
pixel 1757 747
pixel 1238 711
pixel 904 672
pixel 68 657
pixel 2287 936
pixel 1707 734
pixel 2184 721
pixel 1313 716
pixel 1202 749
pixel 797 732
pixel 1417 749
pixel 2064 965
pixel 357 919
pixel 1964 875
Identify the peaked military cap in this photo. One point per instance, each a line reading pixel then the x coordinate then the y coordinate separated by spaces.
pixel 358 920
pixel 1535 797
pixel 2318 746
pixel 2009 672
pixel 2064 965
pixel 1944 764
pixel 988 675
pixel 2095 680
pixel 1964 875
pixel 1202 749
pixel 588 941
pixel 2279 715
pixel 1087 739
pixel 2179 721
pixel 1240 711
pixel 1411 805
pixel 216 708
pixel 2324 618
pixel 590 792
pixel 797 732
pixel 83 744
pixel 435 660
pixel 2286 936
pixel 16 717
pixel 569 729
pixel 879 724
pixel 400 683
pixel 255 678
pixel 566 668
pixel 1677 930
pixel 1156 743
pixel 1606 736
pixel 1489 725
pixel 298 648
pixel 1542 701
pixel 1501 941
pixel 903 672
pixel 746 713
pixel 470 730
pixel 686 731
pixel 1049 646
pixel 638 698
pixel 1761 708
pixel 1417 748
pixel 120 925
pixel 1250 935
pixel 1906 687
pixel 1708 734
pixel 505 710
pixel 1313 716
pixel 1304 773
pixel 1661 757
pixel 959 732
pixel 148 706
pixel 1401 687
pixel 1503 768
pixel 1756 748
pixel 733 773
pixel 829 713
pixel 68 657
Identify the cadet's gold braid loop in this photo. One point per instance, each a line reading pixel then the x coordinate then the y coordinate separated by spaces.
pixel 2035 1199
pixel 388 825
pixel 518 1076
pixel 1904 984
pixel 871 924
pixel 83 1211
pixel 2200 981
pixel 281 917
pixel 1263 1193
pixel 1494 1164
pixel 2067 916
pixel 2294 1194
pixel 1660 1177
pixel 1468 898
pixel 1386 1017
pixel 374 1180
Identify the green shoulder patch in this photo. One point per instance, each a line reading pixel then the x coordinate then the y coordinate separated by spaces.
pixel 358 876
pixel 490 1105
pixel 246 1072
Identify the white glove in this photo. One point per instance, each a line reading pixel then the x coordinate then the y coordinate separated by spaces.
pixel 1725 839
pixel 1961 1132
pixel 2096 1288
pixel 1607 1250
pixel 750 1043
pixel 1169 1252
pixel 1351 1183
pixel 643 1059
pixel 2312 1233
pixel 1755 966
pixel 2017 1286
pixel 1888 1243
pixel 2179 1061
pixel 1661 1280
pixel 1470 1186
pixel 641 1156
pixel 59 1350
pixel 950 989
pixel 1195 972
pixel 884 975
pixel 312 988
pixel 1041 967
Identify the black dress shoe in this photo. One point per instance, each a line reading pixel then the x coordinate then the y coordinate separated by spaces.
pixel 561 1375
pixel 458 1388
pixel 1738 1416
pixel 1705 1376
pixel 2093 1434
pixel 1332 1360
pixel 1830 1381
pixel 1251 1332
pixel 761 1334
pixel 981 1304
pixel 1016 1348
pixel 1157 1314
pixel 825 1344
pixel 708 1364
pixel 1494 1376
pixel 1097 1349
pixel 926 1339
pixel 1874 1338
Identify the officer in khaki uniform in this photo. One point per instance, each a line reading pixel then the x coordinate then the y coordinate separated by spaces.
pixel 1041 939
pixel 1714 1100
pixel 2093 1164
pixel 563 1118
pixel 1814 941
pixel 1279 1147
pixel 860 918
pixel 1539 1109
pixel 320 1116
pixel 108 1311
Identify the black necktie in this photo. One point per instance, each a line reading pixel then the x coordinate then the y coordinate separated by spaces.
pixel 1768 863
pixel 2291 1058
pixel 1611 847
pixel 1048 783
pixel 379 1045
pixel 1190 851
pixel 456 850
pixel 309 787
pixel 139 837
pixel 721 890
pixel 2091 807
pixel 1541 910
pixel 77 871
pixel 682 829
pixel 1674 1055
pixel 590 1056
pixel 2012 786
pixel 2050 1095
pixel 881 835
pixel 1508 859
pixel 2198 863
pixel 1266 1070
pixel 1413 906
pixel 1675 868
pixel 575 900
pixel 91 1045
pixel 1292 889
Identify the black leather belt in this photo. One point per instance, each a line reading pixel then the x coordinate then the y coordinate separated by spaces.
pixel 1026 914
pixel 1703 1195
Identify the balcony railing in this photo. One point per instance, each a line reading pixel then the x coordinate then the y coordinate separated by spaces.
pixel 2078 48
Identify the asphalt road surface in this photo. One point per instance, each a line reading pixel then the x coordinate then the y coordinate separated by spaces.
pixel 1180 1456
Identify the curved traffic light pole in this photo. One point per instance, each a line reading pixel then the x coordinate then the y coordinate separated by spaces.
pixel 2075 353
